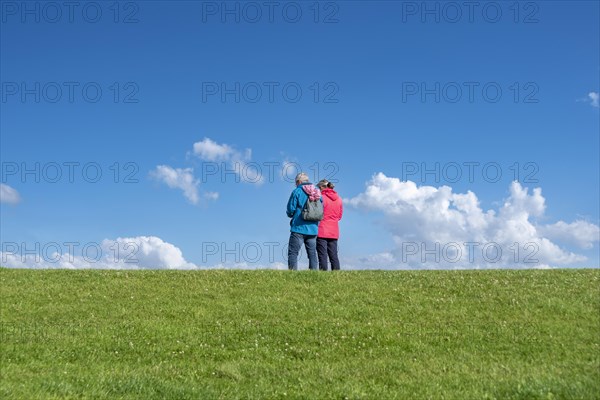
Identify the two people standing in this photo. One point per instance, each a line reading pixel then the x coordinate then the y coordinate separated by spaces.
pixel 318 236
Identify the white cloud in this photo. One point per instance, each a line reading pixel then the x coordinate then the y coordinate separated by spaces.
pixel 434 226
pixel 239 162
pixel 594 99
pixel 210 150
pixel 227 160
pixel 211 195
pixel 580 233
pixel 141 252
pixel 150 252
pixel 178 178
pixel 9 195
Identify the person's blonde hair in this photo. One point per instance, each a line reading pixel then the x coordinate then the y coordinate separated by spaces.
pixel 301 177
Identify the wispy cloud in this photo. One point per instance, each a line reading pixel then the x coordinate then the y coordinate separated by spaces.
pixel 209 150
pixel 593 98
pixel 178 178
pixel 9 195
pixel 240 162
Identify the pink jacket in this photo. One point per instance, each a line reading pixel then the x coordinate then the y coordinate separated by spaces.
pixel 332 213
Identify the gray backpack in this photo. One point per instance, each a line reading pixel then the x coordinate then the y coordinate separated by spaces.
pixel 312 210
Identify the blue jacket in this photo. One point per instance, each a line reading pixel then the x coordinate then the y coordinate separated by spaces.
pixel 294 210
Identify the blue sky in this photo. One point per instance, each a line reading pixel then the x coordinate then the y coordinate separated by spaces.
pixel 387 75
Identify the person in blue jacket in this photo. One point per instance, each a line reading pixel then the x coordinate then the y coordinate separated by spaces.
pixel 302 231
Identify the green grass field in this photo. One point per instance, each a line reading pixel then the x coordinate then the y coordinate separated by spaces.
pixel 275 334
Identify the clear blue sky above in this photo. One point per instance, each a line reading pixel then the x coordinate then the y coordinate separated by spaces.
pixel 386 87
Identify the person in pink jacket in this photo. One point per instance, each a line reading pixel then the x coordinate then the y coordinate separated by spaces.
pixel 329 231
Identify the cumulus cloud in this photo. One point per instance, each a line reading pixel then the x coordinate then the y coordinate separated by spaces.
pixel 9 195
pixel 231 159
pixel 593 98
pixel 141 252
pixel 127 253
pixel 180 178
pixel 579 233
pixel 434 226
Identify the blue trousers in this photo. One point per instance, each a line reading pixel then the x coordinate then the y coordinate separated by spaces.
pixel 310 242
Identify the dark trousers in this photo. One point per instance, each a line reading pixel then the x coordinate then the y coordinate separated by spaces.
pixel 328 247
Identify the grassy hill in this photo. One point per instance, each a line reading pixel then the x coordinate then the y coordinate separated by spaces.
pixel 274 334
